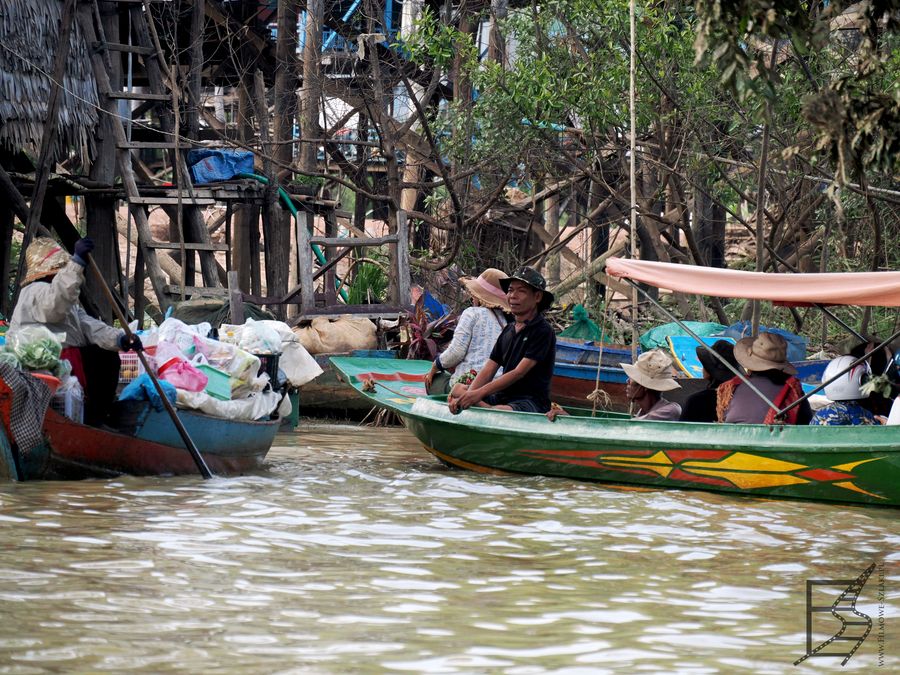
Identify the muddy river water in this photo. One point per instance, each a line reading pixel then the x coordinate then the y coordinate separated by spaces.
pixel 354 551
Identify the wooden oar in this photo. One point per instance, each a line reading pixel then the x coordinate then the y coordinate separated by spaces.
pixel 195 453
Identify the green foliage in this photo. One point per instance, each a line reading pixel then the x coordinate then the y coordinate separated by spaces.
pixel 369 285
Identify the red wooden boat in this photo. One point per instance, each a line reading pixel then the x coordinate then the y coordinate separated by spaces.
pixel 145 443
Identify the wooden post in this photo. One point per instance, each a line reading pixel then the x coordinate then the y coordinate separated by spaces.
pixel 401 260
pixel 277 235
pixel 48 137
pixel 551 224
pixel 312 84
pixel 235 299
pixel 255 273
pixel 192 116
pixel 241 251
pixel 6 230
pixel 100 209
pixel 305 271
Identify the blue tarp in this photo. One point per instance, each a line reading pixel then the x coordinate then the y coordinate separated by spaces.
pixel 142 389
pixel 209 165
pixel 796 343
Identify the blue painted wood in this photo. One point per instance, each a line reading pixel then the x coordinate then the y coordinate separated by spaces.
pixel 212 435
pixel 585 372
pixel 588 353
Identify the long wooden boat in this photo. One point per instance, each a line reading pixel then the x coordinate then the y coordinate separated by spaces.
pixel 844 464
pixel 145 443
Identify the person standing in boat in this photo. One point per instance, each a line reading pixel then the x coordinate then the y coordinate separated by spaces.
pixel 846 407
pixel 765 360
pixel 648 377
pixel 476 332
pixel 49 298
pixel 525 349
pixel 701 406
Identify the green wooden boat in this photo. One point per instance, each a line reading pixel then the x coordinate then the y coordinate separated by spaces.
pixel 844 464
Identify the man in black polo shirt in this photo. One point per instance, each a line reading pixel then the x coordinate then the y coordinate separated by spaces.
pixel 526 350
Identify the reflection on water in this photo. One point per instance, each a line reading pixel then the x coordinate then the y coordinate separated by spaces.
pixel 357 552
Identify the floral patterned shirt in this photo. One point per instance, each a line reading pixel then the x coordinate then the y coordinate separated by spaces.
pixel 844 413
pixel 476 332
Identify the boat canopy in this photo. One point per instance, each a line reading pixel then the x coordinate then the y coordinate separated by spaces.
pixel 864 289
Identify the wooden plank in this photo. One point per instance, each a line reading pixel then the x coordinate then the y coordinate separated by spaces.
pixel 218 292
pixel 184 201
pixel 153 145
pixel 188 246
pixel 138 96
pixel 118 47
pixel 354 242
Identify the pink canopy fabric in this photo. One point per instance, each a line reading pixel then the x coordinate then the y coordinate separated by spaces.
pixel 877 289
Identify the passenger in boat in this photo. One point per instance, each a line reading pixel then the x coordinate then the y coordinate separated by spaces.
pixel 879 363
pixel 525 349
pixel 49 298
pixel 765 360
pixel 701 406
pixel 648 377
pixel 846 407
pixel 476 332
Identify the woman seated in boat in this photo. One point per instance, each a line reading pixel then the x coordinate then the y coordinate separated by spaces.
pixel 846 407
pixel 477 330
pixel 701 406
pixel 877 401
pixel 525 349
pixel 765 360
pixel 49 298
pixel 648 377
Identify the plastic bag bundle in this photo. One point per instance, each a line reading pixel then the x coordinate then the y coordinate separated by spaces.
pixel 181 334
pixel 7 356
pixel 242 366
pixel 68 399
pixel 256 337
pixel 35 347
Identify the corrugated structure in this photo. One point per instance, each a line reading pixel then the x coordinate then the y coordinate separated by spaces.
pixel 29 32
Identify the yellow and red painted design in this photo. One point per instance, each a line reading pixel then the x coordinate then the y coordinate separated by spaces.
pixel 719 468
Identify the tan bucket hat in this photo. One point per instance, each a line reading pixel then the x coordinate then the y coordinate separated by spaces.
pixel 652 370
pixel 486 287
pixel 766 351
pixel 44 257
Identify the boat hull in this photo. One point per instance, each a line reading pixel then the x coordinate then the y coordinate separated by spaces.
pixel 75 451
pixel 843 464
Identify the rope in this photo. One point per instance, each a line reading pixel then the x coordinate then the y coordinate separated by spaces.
pixel 599 396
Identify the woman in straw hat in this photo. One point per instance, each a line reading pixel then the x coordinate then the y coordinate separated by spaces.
pixel 650 375
pixel 475 334
pixel 764 357
pixel 49 298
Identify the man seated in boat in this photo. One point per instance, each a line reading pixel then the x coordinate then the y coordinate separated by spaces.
pixel 846 407
pixel 765 360
pixel 525 349
pixel 648 377
pixel 49 298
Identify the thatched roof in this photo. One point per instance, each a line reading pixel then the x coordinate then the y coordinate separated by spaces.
pixel 29 33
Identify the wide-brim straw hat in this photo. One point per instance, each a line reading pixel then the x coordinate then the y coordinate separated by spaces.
pixel 486 288
pixel 652 370
pixel 716 369
pixel 533 278
pixel 766 351
pixel 44 257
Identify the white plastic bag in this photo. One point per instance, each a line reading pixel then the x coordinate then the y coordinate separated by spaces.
pixel 68 399
pixel 252 336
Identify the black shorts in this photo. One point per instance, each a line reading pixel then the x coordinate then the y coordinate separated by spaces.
pixel 517 404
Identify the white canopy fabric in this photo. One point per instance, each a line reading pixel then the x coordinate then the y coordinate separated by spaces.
pixel 864 289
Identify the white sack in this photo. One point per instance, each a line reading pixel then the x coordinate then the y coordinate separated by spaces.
pixel 253 407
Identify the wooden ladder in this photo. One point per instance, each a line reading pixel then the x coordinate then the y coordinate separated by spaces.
pixel 183 195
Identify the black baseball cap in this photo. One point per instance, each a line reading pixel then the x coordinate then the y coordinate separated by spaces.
pixel 533 278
